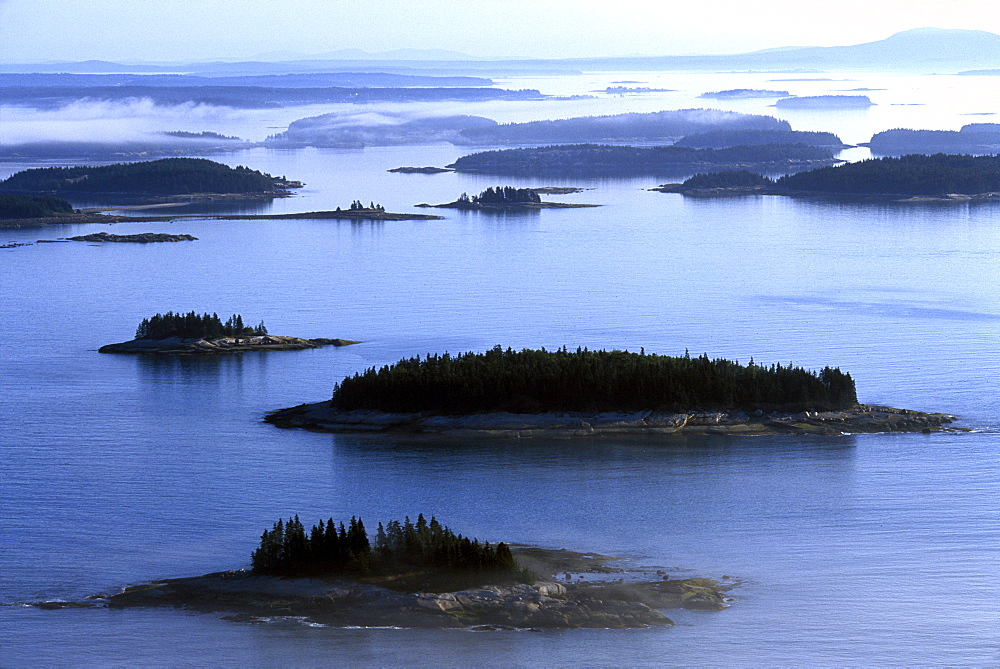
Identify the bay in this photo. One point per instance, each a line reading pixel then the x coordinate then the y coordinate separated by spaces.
pixel 873 549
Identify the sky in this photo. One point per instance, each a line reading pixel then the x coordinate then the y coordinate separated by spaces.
pixel 179 30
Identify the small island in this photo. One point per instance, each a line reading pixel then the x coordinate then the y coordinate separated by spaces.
pixel 538 393
pixel 138 238
pixel 744 94
pixel 422 575
pixel 190 333
pixel 507 198
pixel 420 170
pixel 825 102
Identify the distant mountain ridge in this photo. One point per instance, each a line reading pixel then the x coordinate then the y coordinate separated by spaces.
pixel 921 49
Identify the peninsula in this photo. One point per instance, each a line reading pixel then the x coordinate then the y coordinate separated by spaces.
pixel 539 393
pixel 422 574
pixel 191 178
pixel 179 334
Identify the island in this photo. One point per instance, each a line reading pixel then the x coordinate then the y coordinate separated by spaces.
pixel 629 90
pixel 177 178
pixel 973 138
pixel 721 139
pixel 633 127
pixel 744 94
pixel 423 575
pixel 600 160
pixel 912 178
pixel 540 393
pixel 508 198
pixel 138 238
pixel 825 102
pixel 420 170
pixel 178 334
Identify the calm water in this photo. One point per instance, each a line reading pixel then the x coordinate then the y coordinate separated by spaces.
pixel 875 549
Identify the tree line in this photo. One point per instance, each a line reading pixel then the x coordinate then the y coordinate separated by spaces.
pixel 916 174
pixel 606 159
pixel 26 206
pixel 727 179
pixel 501 195
pixel 194 326
pixel 330 549
pixel 168 176
pixel 536 381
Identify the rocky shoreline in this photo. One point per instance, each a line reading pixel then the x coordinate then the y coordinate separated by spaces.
pixel 321 417
pixel 577 590
pixel 181 346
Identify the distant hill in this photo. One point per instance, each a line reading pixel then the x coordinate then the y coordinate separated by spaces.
pixel 920 49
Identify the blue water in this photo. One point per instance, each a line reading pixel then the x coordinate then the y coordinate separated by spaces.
pixel 864 550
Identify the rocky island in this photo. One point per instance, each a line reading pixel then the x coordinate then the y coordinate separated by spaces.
pixel 178 334
pixel 539 393
pixel 423 575
pixel 138 238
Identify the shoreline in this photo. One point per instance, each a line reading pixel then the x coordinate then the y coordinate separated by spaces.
pixel 321 417
pixel 574 590
pixel 198 346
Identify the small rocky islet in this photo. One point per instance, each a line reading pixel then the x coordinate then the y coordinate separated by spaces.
pixel 206 334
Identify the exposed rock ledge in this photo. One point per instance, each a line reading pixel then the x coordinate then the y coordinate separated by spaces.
pixel 591 594
pixel 321 417
pixel 178 345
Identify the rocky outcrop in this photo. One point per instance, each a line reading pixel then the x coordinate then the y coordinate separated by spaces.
pixel 322 417
pixel 178 345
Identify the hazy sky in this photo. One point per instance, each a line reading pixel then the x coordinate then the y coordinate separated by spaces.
pixel 39 30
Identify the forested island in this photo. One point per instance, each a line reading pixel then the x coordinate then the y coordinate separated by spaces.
pixel 939 176
pixel 422 574
pixel 825 102
pixel 720 139
pixel 583 392
pixel 506 198
pixel 192 333
pixel 164 177
pixel 594 160
pixel 973 138
pixel 744 94
pixel 652 126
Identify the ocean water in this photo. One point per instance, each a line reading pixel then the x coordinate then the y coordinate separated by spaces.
pixel 860 550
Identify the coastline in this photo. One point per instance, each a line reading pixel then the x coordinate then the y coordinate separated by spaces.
pixel 321 417
pixel 198 346
pixel 574 590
